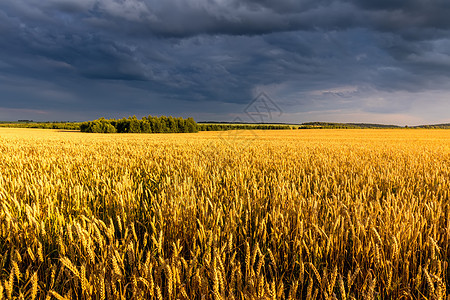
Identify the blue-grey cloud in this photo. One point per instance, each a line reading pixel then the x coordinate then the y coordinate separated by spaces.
pixel 88 58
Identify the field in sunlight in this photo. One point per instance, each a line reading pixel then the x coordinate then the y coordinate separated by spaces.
pixel 289 214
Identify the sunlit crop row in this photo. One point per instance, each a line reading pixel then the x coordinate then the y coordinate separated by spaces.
pixel 292 214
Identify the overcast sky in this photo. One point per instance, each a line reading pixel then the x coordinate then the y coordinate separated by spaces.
pixel 379 61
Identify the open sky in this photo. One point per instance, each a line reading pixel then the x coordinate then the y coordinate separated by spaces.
pixel 379 61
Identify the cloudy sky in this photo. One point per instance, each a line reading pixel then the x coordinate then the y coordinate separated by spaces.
pixel 382 61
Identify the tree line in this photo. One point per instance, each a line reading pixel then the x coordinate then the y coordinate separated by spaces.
pixel 328 125
pixel 222 127
pixel 43 125
pixel 150 124
pixel 170 124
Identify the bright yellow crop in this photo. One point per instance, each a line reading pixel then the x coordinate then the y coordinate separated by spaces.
pixel 289 214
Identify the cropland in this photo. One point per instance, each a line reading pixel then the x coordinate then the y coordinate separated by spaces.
pixel 282 214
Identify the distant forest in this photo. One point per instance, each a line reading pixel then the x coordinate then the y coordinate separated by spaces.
pixel 148 124
pixel 226 126
pixel 43 125
pixel 327 125
pixel 163 124
pixel 441 126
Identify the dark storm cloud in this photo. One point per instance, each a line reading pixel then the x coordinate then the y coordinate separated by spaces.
pixel 428 13
pixel 188 18
pixel 137 56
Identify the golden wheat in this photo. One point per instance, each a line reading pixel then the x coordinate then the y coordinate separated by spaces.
pixel 292 214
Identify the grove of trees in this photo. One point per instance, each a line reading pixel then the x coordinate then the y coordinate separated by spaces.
pixel 150 124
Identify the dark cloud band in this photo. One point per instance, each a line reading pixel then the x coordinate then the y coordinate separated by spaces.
pixel 95 55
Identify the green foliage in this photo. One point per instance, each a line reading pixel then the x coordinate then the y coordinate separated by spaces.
pixel 98 126
pixel 327 125
pixel 435 126
pixel 222 127
pixel 150 124
pixel 43 125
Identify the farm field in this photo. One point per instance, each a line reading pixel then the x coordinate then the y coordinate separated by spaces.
pixel 288 214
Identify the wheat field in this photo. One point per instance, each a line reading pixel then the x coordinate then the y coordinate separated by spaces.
pixel 292 214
